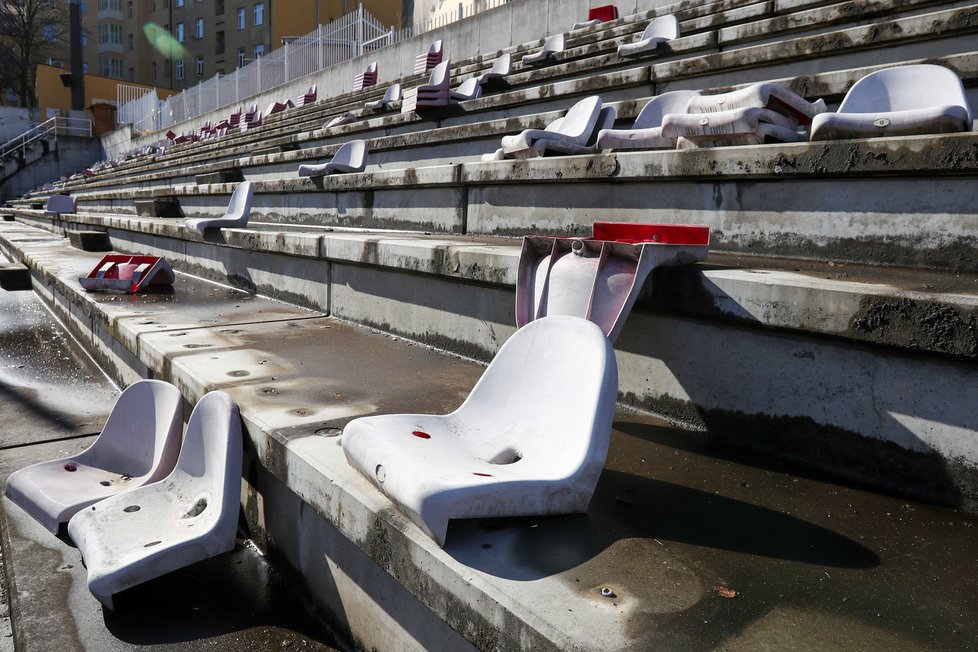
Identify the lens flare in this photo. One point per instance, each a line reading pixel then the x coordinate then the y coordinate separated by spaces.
pixel 164 42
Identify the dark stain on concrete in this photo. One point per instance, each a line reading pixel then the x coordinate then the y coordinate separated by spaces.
pixel 925 325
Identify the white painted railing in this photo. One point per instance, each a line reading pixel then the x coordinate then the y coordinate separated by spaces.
pixel 53 127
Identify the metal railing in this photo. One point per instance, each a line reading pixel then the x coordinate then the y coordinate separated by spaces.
pixel 57 126
pixel 342 39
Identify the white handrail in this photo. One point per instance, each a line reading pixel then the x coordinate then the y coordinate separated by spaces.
pixel 56 125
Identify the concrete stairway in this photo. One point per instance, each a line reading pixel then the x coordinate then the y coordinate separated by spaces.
pixel 835 323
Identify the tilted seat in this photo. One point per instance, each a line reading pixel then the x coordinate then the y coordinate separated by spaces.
pixel 350 157
pixel 745 126
pixel 467 90
pixel 902 101
pixel 236 214
pixel 660 30
pixel 763 95
pixel 531 438
pixel 501 67
pixel 391 95
pixel 551 46
pixel 606 120
pixel 646 131
pixel 189 516
pixel 574 128
pixel 138 445
pixel 342 119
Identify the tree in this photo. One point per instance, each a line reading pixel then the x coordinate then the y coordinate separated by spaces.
pixel 31 32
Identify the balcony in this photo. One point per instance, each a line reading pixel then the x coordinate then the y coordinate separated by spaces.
pixel 110 13
pixel 109 46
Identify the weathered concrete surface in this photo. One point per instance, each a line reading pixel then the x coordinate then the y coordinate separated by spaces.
pixel 678 522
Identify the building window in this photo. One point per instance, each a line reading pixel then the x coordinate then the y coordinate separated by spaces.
pixel 50 32
pixel 132 74
pixel 110 33
pixel 259 50
pixel 85 68
pixel 200 66
pixel 179 32
pixel 129 8
pixel 110 67
pixel 241 57
pixel 179 68
pixel 84 37
pixel 219 44
pixel 219 7
pixel 82 6
pixel 241 18
pixel 259 13
pixel 130 42
pixel 179 3
pixel 154 71
pixel 166 69
pixel 200 28
pixel 104 5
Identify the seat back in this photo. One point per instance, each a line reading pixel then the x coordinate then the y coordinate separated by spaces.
pixel 208 471
pixel 434 48
pixel 554 43
pixel 604 13
pixel 351 154
pixel 578 123
pixel 393 93
pixel 905 88
pixel 605 120
pixel 142 433
pixel 439 76
pixel 551 387
pixel 470 88
pixel 503 64
pixel 661 105
pixel 240 205
pixel 666 27
pixel 61 204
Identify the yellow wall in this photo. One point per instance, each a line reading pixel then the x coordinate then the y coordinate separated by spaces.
pixel 51 93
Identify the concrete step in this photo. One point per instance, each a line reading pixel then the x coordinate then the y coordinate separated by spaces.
pixel 677 523
pixel 458 295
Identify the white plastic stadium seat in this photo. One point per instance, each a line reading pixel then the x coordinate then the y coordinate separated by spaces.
pixel 746 126
pixel 350 157
pixel 762 95
pixel 236 214
pixel 660 30
pixel 391 95
pixel 342 119
pixel 467 90
pixel 501 67
pixel 646 131
pixel 552 45
pixel 138 445
pixel 575 128
pixel 919 99
pixel 531 438
pixel 606 120
pixel 189 516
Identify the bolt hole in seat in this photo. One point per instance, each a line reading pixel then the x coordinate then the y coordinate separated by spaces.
pixel 901 101
pixel 531 438
pixel 138 445
pixel 189 516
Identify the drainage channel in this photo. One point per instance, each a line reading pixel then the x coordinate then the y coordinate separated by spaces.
pixel 53 401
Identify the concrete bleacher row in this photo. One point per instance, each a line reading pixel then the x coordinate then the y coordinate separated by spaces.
pixel 825 353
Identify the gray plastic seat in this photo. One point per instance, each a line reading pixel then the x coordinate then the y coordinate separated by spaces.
pixel 236 214
pixel 551 46
pixel 907 100
pixel 646 131
pixel 391 95
pixel 762 95
pixel 501 67
pixel 575 128
pixel 467 90
pixel 350 157
pixel 746 126
pixel 58 204
pixel 138 445
pixel 342 119
pixel 660 30
pixel 606 120
pixel 188 516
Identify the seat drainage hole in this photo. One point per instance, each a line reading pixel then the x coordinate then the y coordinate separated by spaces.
pixel 421 434
pixel 198 508
pixel 70 468
pixel 507 456
pixel 483 475
pixel 105 483
pixel 131 508
pixel 152 543
pixel 380 472
pixel 238 373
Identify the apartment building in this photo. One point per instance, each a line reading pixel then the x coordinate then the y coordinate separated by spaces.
pixel 178 43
